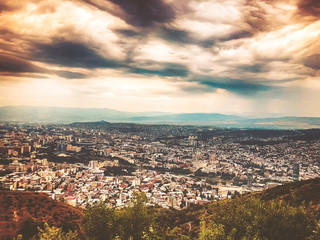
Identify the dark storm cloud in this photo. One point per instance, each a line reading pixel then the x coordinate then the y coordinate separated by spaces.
pixel 18 65
pixel 14 66
pixel 139 13
pixel 145 12
pixel 309 8
pixel 237 86
pixel 165 70
pixel 71 54
pixel 312 61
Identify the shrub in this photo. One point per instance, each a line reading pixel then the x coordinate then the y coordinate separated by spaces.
pixel 256 219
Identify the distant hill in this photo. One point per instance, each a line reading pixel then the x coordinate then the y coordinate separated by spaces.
pixel 25 210
pixel 59 114
pixel 69 115
pixel 232 121
pixel 190 118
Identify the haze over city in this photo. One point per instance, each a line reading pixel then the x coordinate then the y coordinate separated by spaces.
pixel 237 57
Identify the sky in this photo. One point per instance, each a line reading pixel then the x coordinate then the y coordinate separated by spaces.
pixel 245 57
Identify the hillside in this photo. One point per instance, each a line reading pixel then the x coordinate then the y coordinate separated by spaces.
pixel 25 210
pixel 20 212
pixel 307 191
pixel 187 221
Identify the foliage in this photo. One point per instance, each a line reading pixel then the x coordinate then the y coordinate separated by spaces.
pixel 28 229
pixel 135 222
pixel 214 232
pixel 256 219
pixel 54 233
pixel 278 213
pixel 99 222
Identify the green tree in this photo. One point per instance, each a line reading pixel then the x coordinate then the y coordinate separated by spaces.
pixel 99 222
pixel 54 233
pixel 214 232
pixel 135 222
pixel 256 219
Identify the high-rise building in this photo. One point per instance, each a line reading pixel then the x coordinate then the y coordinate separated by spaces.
pixel 93 164
pixel 296 171
pixel 249 178
pixel 62 147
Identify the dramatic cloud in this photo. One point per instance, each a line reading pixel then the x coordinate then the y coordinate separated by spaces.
pixel 70 75
pixel 309 8
pixel 238 35
pixel 313 61
pixel 255 68
pixel 127 32
pixel 162 55
pixel 71 54
pixel 176 35
pixel 237 86
pixel 140 13
pixel 167 70
pixel 17 65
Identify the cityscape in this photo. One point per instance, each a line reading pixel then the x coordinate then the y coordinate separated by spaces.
pixel 175 166
pixel 159 120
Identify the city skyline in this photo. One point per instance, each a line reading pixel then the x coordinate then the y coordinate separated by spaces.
pixel 236 57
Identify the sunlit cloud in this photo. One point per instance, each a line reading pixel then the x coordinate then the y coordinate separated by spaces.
pixel 232 56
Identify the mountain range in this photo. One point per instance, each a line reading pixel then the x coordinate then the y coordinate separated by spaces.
pixel 69 115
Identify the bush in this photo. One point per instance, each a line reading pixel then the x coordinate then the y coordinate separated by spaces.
pixel 54 233
pixel 256 219
pixel 135 222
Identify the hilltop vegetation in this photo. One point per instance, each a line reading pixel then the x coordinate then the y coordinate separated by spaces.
pixel 285 212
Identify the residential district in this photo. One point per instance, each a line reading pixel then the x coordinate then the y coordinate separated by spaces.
pixel 176 166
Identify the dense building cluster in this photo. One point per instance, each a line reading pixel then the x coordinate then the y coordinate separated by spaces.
pixel 174 165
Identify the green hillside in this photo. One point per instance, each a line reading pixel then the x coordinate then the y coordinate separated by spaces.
pixel 290 211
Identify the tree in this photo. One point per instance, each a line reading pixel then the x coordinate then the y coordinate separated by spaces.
pixel 214 232
pixel 99 222
pixel 28 229
pixel 54 233
pixel 134 222
pixel 138 221
pixel 255 219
